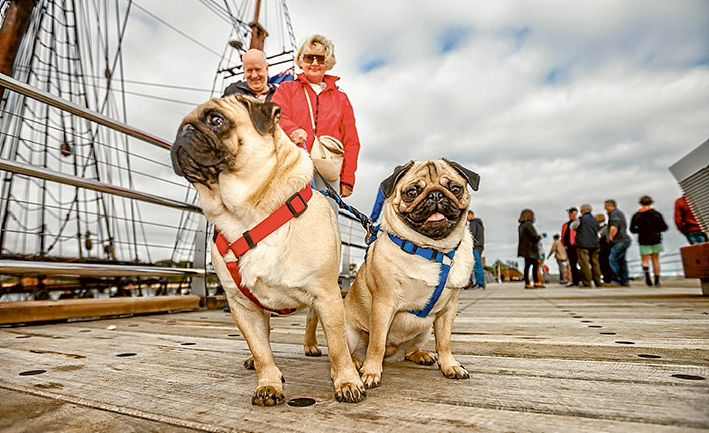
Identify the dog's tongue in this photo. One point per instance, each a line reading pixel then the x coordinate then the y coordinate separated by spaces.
pixel 436 217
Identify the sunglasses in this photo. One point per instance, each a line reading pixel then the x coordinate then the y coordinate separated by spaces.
pixel 310 58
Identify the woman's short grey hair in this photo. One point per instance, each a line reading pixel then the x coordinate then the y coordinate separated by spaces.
pixel 318 42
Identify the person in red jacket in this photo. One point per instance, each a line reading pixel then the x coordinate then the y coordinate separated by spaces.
pixel 332 111
pixel 687 223
pixel 568 240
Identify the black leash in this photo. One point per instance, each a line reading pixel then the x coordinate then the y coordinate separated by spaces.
pixel 362 218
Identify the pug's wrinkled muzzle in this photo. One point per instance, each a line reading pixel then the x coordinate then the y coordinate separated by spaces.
pixel 198 157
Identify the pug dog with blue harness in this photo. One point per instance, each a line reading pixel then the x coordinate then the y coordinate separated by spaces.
pixel 413 271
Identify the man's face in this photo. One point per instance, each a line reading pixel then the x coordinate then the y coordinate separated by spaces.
pixel 573 214
pixel 609 207
pixel 256 74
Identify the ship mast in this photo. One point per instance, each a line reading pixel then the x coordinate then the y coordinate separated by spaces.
pixel 258 33
pixel 14 26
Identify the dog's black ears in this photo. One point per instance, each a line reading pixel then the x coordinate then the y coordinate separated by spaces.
pixel 264 115
pixel 388 184
pixel 472 177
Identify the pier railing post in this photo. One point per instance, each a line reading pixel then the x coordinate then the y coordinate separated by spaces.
pixel 199 284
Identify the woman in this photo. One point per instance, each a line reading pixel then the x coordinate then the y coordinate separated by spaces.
pixel 528 248
pixel 649 225
pixel 332 112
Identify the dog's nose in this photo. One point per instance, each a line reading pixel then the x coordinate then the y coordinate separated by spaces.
pixel 436 196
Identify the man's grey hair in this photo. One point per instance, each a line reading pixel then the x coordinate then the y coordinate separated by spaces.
pixel 586 207
pixel 610 202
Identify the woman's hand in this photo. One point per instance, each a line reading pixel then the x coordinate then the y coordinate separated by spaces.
pixel 298 136
pixel 345 190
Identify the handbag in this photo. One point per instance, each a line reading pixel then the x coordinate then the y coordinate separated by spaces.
pixel 327 152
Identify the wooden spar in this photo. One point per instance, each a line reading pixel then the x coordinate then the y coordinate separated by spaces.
pixel 14 26
pixel 258 33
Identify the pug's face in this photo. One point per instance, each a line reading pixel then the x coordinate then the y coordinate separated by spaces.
pixel 430 197
pixel 212 137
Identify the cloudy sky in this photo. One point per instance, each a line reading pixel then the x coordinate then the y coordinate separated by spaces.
pixel 554 104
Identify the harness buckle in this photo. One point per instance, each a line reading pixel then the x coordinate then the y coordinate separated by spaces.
pixel 249 241
pixel 291 208
pixel 447 261
pixel 409 247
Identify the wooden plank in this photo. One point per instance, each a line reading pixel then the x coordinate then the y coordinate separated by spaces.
pixel 535 366
pixel 44 311
pixel 48 415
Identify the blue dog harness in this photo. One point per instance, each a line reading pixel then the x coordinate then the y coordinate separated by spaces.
pixel 435 256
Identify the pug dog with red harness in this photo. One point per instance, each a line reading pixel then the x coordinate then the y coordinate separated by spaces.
pixel 413 271
pixel 277 245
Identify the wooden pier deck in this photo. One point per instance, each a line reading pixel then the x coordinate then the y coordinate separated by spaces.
pixel 553 360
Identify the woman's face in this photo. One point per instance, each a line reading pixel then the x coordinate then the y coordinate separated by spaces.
pixel 312 63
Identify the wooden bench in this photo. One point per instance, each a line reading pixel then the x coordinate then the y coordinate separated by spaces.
pixel 695 259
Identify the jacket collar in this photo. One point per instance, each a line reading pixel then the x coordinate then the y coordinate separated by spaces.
pixel 329 80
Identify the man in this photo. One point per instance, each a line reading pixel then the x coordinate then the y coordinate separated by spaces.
pixel 687 222
pixel 568 239
pixel 256 75
pixel 559 253
pixel 587 246
pixel 620 242
pixel 475 225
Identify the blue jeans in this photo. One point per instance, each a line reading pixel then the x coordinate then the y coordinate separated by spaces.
pixel 617 261
pixel 696 237
pixel 478 268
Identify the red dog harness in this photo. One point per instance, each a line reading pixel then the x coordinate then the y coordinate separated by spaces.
pixel 293 208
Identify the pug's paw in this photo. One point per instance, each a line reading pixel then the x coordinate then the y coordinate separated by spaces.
pixel 312 351
pixel 350 392
pixel 267 396
pixel 455 371
pixel 422 358
pixel 249 363
pixel 371 376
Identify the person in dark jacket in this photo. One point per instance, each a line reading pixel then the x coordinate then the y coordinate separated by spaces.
pixel 528 248
pixel 605 250
pixel 568 240
pixel 256 78
pixel 475 225
pixel 587 246
pixel 649 225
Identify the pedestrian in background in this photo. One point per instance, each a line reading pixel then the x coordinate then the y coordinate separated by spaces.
pixel 605 251
pixel 587 246
pixel 477 230
pixel 619 241
pixel 687 223
pixel 568 239
pixel 649 225
pixel 559 253
pixel 528 248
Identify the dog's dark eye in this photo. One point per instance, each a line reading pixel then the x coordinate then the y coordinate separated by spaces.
pixel 456 189
pixel 411 193
pixel 216 120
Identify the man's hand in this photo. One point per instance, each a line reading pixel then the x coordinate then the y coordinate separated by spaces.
pixel 299 136
pixel 345 190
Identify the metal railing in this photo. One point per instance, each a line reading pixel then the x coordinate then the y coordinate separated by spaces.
pixel 22 267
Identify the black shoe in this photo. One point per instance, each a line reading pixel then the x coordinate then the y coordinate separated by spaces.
pixel 648 281
pixel 657 281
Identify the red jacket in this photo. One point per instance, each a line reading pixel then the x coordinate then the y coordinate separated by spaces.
pixel 572 235
pixel 684 217
pixel 333 116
